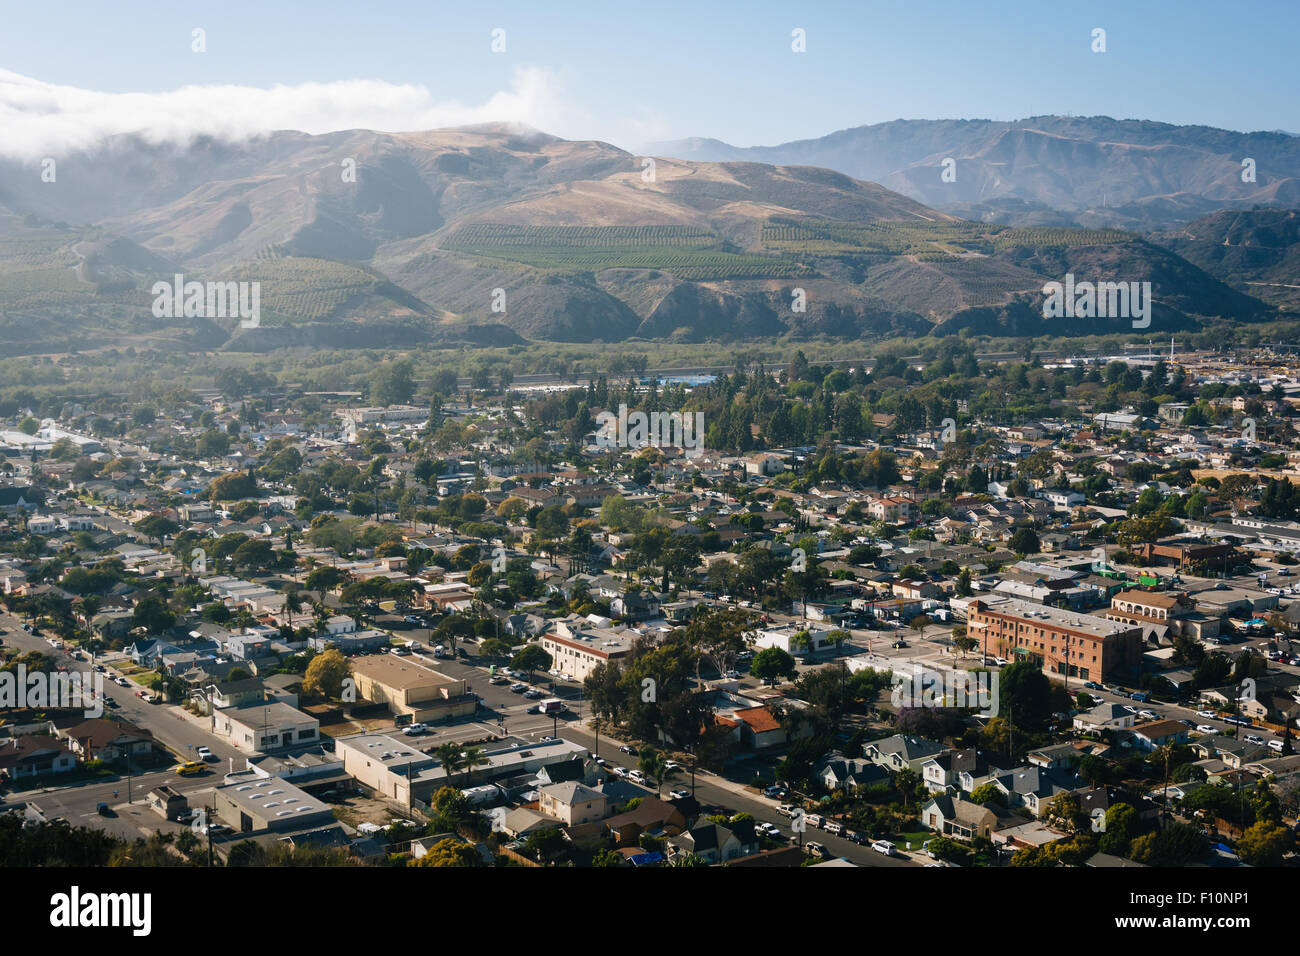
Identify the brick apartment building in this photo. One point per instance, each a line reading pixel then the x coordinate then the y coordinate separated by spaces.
pixel 1091 648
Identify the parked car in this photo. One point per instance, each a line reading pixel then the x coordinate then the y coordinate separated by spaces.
pixel 885 847
pixel 1091 685
pixel 1255 739
pixel 775 792
pixel 1147 715
pixel 818 850
pixel 1207 728
pixel 786 809
pixel 627 749
pixel 813 820
pixel 768 830
pixel 855 837
pixel 1275 745
pixel 103 809
pixel 532 693
pixel 498 679
pixel 1206 714
pixel 518 688
pixel 679 794
pixel 620 771
pixel 205 754
pixel 414 730
pixel 833 827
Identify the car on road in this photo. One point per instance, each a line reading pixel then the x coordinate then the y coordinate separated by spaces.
pixel 498 679
pixel 205 754
pixel 1131 709
pixel 620 771
pixel 535 709
pixel 103 809
pixel 1276 745
pixel 1091 685
pixel 532 693
pixel 775 792
pixel 1206 714
pixel 1207 728
pixel 1147 715
pixel 899 643
pixel 214 829
pixel 813 820
pixel 1188 723
pixel 518 688
pixel 636 775
pixel 627 749
pixel 885 847
pixel 414 730
pixel 786 809
pixel 670 765
pixel 682 795
pixel 1254 739
pixel 818 850
pixel 121 682
pixel 853 836
pixel 768 830
pixel 833 827
pixel 191 768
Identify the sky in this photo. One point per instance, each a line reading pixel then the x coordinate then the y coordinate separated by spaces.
pixel 632 73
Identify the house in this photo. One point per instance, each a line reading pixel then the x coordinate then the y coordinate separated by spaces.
pixel 848 773
pixel 573 803
pixel 651 815
pixel 412 689
pixel 107 740
pixel 1104 717
pixel 714 842
pixel 1034 788
pixel 902 752
pixel 1160 733
pixel 263 726
pixel 759 728
pixel 34 755
pixel 952 816
pixel 961 770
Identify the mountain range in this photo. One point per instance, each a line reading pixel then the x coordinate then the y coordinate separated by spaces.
pixel 497 235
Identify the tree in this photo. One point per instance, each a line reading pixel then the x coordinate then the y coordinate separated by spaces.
pixel 772 663
pixel 232 487
pixel 326 674
pixel 532 658
pixel 392 384
pixel 449 852
pixel 1265 843
pixel 1025 541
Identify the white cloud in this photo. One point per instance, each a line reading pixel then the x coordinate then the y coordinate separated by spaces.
pixel 41 119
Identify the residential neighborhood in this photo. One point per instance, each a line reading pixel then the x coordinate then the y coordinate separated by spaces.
pixel 469 631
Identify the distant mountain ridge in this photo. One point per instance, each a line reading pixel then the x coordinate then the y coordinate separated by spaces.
pixel 499 235
pixel 1096 171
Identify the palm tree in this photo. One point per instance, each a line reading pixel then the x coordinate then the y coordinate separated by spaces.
pixel 470 758
pixel 293 603
pixel 450 756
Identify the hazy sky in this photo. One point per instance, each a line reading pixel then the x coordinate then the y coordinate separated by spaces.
pixel 634 72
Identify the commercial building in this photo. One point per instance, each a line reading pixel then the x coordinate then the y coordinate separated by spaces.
pixel 411 689
pixel 273 804
pixel 1061 642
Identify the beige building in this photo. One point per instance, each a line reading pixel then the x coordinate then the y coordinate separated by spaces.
pixel 262 727
pixel 579 652
pixel 410 688
pixel 573 802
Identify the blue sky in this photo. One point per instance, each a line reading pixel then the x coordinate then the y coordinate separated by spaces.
pixel 630 73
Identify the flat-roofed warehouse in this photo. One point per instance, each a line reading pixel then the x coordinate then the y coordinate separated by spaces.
pixel 270 804
pixel 411 688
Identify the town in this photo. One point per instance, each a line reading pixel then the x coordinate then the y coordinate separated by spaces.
pixel 954 612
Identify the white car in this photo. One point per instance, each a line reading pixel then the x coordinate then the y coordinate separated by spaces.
pixel 1207 729
pixel 1148 715
pixel 203 753
pixel 1255 739
pixel 885 847
pixel 414 730
pixel 620 771
pixel 683 794
pixel 1206 714
pixel 768 830
pixel 1275 745
pixel 636 775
